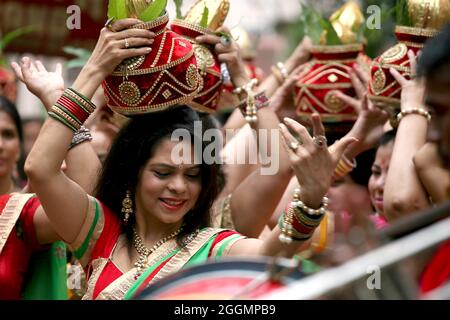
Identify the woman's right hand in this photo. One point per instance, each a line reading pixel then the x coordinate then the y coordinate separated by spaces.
pixel 312 161
pixel 46 85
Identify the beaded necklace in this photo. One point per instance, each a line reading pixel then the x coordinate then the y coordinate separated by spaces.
pixel 145 252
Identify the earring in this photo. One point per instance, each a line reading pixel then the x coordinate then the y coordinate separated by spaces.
pixel 127 206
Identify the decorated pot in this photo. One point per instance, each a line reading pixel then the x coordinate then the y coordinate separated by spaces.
pixel 208 66
pixel 165 77
pixel 328 71
pixel 384 90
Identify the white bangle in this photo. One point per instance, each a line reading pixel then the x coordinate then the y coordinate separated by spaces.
pixel 419 111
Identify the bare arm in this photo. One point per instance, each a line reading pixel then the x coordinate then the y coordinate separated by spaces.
pixel 403 192
pixel 432 173
pixel 255 198
pixel 313 165
pixel 43 165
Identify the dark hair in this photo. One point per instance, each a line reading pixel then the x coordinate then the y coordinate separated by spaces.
pixel 361 174
pixel 10 109
pixel 388 137
pixel 435 55
pixel 134 145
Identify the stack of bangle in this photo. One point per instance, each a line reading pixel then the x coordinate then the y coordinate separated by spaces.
pixel 419 111
pixel 280 72
pixel 260 99
pixel 343 167
pixel 81 135
pixel 299 222
pixel 251 108
pixel 72 109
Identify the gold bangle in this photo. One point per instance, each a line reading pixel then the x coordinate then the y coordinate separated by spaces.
pixel 344 167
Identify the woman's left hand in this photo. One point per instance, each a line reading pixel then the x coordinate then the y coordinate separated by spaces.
pixel 228 51
pixel 313 163
pixel 413 91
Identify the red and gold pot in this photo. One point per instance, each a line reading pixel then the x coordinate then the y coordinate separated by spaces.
pixel 208 66
pixel 328 71
pixel 427 17
pixel 384 90
pixel 165 77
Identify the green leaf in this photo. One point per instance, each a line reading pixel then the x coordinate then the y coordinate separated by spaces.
pixel 153 11
pixel 10 36
pixel 402 13
pixel 117 9
pixel 205 15
pixel 178 4
pixel 310 23
pixel 331 36
pixel 82 56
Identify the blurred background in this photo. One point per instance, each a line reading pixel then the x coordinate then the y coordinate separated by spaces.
pixel 42 32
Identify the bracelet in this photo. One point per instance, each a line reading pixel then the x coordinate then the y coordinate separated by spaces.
pixel 344 167
pixel 299 222
pixel 283 71
pixel 81 135
pixel 419 111
pixel 72 109
pixel 261 101
pixel 277 74
pixel 250 109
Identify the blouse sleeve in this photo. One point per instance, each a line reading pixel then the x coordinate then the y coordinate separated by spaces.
pixel 98 234
pixel 27 223
pixel 223 243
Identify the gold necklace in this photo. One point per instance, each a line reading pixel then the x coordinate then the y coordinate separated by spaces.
pixel 145 252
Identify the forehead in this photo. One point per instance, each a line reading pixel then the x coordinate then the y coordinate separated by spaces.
pixel 173 153
pixel 384 154
pixel 6 120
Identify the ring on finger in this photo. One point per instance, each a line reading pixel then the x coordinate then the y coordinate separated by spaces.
pixel 225 40
pixel 294 146
pixel 320 141
pixel 127 45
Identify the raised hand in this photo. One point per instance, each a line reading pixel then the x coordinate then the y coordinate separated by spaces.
pixel 228 52
pixel 44 84
pixel 313 163
pixel 300 55
pixel 368 128
pixel 413 90
pixel 282 102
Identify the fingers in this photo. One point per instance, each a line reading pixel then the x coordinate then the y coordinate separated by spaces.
pixel 363 76
pixel 40 67
pixel 397 76
pixel 26 68
pixel 208 39
pixel 305 138
pixel 318 128
pixel 17 70
pixel 122 24
pixel 133 52
pixel 360 88
pixel 412 63
pixel 340 146
pixel 58 69
pixel 134 42
pixel 133 33
pixel 356 104
pixel 288 140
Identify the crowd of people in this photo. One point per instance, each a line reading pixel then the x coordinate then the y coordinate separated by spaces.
pixel 104 191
